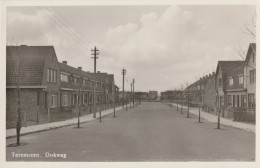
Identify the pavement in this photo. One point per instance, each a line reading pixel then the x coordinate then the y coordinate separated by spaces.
pixel 148 132
pixel 223 121
pixel 54 125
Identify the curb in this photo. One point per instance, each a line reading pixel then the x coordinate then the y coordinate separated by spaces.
pixel 225 124
pixel 60 125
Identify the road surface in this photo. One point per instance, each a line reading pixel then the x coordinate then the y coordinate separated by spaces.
pixel 149 132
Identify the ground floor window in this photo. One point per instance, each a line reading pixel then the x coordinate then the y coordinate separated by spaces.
pixel 230 104
pixel 251 100
pixel 221 101
pixel 85 98
pixel 243 100
pixel 65 99
pixel 54 100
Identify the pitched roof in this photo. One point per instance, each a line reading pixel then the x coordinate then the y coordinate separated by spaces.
pixel 26 62
pixel 227 66
pixel 101 76
pixel 74 71
pixel 236 71
pixel 252 46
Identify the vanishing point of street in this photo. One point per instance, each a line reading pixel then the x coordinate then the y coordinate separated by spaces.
pixel 148 132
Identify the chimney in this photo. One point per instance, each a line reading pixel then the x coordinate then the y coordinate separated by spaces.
pixel 64 62
pixel 98 71
pixel 80 68
pixel 213 73
pixel 207 76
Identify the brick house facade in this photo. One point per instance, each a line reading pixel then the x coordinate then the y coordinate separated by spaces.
pixel 209 99
pixel 223 68
pixel 250 75
pixel 195 93
pixel 30 66
pixel 49 90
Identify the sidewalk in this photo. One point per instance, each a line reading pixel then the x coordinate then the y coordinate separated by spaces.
pixel 223 121
pixel 48 126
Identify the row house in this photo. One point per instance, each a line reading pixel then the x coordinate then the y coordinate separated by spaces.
pixel 109 86
pixel 223 68
pixel 209 98
pixel 34 71
pixel 46 86
pixel 153 95
pixel 126 95
pixel 235 85
pixel 76 88
pixel 195 92
pixel 241 87
pixel 172 95
pixel 141 96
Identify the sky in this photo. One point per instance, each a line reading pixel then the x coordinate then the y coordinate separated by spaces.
pixel 161 47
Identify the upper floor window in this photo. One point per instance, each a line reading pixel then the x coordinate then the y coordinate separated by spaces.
pixel 253 57
pixel 240 79
pixel 64 77
pixel 231 81
pixel 252 76
pixel 51 75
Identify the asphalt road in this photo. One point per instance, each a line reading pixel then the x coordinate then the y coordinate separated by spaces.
pixel 149 132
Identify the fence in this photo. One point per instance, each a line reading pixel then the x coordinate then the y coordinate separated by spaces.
pixel 59 114
pixel 244 114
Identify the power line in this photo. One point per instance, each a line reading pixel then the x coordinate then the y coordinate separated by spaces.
pixel 68 32
pixel 67 23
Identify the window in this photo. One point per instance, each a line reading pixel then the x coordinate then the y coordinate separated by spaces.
pixel 48 75
pixel 240 79
pixel 253 57
pixel 53 100
pixel 65 100
pixel 252 76
pixel 231 81
pixel 220 82
pixel 54 76
pixel 230 101
pixel 221 101
pixel 251 100
pixel 64 77
pixel 51 75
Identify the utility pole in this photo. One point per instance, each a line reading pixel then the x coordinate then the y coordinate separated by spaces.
pixel 131 95
pixel 123 73
pixel 133 92
pixel 95 53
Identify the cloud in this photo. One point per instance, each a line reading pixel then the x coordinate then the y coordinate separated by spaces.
pixel 44 27
pixel 161 50
pixel 156 43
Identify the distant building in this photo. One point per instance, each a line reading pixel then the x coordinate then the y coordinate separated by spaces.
pixel 153 95
pixel 209 99
pixel 141 96
pixel 172 95
pixel 195 93
pixel 128 95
